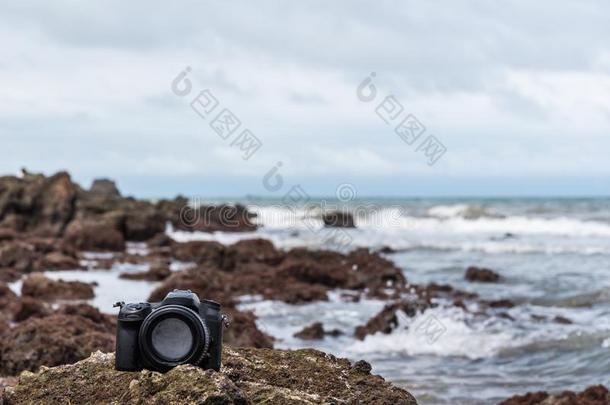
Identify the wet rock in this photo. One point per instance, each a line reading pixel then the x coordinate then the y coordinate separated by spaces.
pixel 158 272
pixel 338 219
pixel 562 320
pixel 387 320
pixel 38 286
pixel 316 331
pixel 299 275
pixel 95 235
pixel 105 188
pixel 480 274
pixel 51 341
pixel 311 332
pixel 243 331
pixel 594 395
pixel 500 303
pixel 247 376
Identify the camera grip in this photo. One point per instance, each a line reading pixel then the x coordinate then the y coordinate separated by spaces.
pixel 127 351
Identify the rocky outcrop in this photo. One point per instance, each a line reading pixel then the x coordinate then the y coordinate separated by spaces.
pixel 157 272
pixel 299 275
pixel 594 395
pixel 338 219
pixel 35 203
pixel 247 376
pixel 207 218
pixel 50 206
pixel 104 188
pixel 50 341
pixel 482 275
pixel 38 286
pixel 101 234
pixel 316 331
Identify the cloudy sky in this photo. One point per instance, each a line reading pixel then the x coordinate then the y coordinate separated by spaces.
pixel 518 94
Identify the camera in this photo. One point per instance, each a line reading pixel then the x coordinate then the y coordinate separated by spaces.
pixel 181 329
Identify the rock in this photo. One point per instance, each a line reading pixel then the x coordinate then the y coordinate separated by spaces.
pixel 311 332
pixel 247 376
pixel 300 275
pixel 9 303
pixel 481 274
pixel 316 331
pixel 8 275
pixel 51 341
pixel 156 273
pixel 20 256
pixel 207 218
pixel 30 307
pixel 59 261
pixel 105 188
pixel 6 382
pixel 338 219
pixel 38 286
pixel 243 331
pixel 160 240
pixel 95 235
pixel 387 320
pixel 35 203
pixel 594 395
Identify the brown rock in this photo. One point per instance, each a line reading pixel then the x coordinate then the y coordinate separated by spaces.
pixel 9 303
pixel 30 307
pixel 51 341
pixel 247 376
pixel 59 261
pixel 593 395
pixel 41 287
pixel 481 274
pixel 104 188
pixel 387 320
pixel 36 203
pixel 311 332
pixel 156 273
pixel 316 331
pixel 20 256
pixel 95 235
pixel 243 331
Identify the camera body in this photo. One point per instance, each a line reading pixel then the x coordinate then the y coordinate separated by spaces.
pixel 181 329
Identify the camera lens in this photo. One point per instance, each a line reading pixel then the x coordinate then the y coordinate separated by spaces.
pixel 172 339
pixel 173 335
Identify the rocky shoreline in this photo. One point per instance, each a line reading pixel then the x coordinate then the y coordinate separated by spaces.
pixel 51 223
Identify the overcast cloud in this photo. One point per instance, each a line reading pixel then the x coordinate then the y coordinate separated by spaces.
pixel 516 91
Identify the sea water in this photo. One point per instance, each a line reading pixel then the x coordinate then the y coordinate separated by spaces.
pixel 553 255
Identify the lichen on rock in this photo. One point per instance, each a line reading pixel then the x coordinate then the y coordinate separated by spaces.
pixel 247 376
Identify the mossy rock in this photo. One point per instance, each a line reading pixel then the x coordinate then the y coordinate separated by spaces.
pixel 248 376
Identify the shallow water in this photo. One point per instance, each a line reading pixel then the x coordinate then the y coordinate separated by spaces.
pixel 554 256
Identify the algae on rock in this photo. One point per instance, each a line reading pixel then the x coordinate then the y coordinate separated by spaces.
pixel 247 376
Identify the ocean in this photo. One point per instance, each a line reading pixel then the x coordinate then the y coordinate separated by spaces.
pixel 553 256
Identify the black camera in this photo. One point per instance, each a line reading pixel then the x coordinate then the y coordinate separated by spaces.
pixel 181 329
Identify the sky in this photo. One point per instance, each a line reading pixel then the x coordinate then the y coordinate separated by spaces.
pixel 514 97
